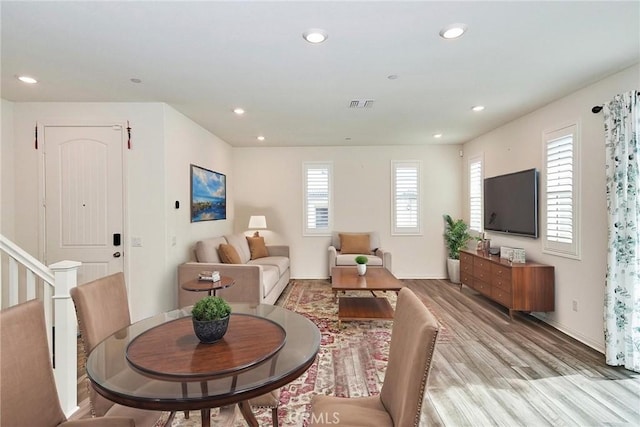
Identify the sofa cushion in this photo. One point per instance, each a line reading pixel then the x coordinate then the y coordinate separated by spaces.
pixel 207 249
pixel 228 254
pixel 350 259
pixel 257 248
pixel 270 277
pixel 354 243
pixel 374 239
pixel 281 262
pixel 239 242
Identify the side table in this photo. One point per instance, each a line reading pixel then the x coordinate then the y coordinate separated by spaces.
pixel 208 285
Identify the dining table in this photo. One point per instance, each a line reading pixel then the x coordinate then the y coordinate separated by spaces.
pixel 159 364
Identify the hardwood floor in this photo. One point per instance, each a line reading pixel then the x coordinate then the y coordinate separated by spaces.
pixel 491 370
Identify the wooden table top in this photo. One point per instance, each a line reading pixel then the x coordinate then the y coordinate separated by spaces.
pixel 207 285
pixel 249 340
pixel 375 279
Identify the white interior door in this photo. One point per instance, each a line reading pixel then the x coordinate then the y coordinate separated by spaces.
pixel 84 198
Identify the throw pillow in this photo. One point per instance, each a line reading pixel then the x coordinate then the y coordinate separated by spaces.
pixel 257 247
pixel 228 254
pixel 354 244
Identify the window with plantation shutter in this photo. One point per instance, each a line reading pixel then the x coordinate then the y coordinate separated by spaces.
pixel 318 198
pixel 406 197
pixel 561 172
pixel 475 193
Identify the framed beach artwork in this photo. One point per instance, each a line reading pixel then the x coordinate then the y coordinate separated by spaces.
pixel 208 195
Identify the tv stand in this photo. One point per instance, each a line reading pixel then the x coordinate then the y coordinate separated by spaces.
pixel 518 287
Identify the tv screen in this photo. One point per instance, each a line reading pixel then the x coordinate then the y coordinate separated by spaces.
pixel 511 203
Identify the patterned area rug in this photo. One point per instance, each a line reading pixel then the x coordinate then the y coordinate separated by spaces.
pixel 351 361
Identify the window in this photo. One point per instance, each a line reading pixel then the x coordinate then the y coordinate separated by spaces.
pixel 561 173
pixel 406 197
pixel 318 198
pixel 475 193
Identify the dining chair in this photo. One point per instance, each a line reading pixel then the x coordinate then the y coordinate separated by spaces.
pixel 102 308
pixel 413 340
pixel 28 394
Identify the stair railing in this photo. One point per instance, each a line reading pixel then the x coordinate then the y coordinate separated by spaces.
pixel 22 280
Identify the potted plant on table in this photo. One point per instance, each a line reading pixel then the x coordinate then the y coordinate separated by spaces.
pixel 210 318
pixel 361 264
pixel 456 236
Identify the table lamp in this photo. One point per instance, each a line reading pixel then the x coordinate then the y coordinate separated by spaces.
pixel 257 222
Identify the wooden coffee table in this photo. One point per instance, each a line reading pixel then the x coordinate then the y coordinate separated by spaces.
pixel 364 308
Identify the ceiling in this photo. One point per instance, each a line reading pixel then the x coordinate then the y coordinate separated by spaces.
pixel 205 58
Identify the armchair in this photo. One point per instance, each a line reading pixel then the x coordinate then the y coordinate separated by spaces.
pixel 345 246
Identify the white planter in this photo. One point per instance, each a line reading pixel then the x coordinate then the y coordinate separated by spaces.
pixel 453 269
pixel 362 269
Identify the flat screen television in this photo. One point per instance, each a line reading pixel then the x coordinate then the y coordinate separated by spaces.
pixel 511 203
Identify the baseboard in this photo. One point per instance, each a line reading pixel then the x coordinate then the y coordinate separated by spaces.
pixel 568 331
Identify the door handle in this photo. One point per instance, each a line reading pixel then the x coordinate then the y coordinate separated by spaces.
pixel 116 254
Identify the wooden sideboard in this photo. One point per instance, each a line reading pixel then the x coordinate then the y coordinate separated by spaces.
pixel 518 287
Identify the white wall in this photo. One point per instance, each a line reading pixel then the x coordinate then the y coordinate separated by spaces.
pixel 156 174
pixel 269 181
pixel 517 146
pixel 7 170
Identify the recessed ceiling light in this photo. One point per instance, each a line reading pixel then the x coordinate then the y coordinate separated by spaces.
pixel 135 80
pixel 453 31
pixel 238 111
pixel 437 135
pixel 315 35
pixel 27 79
pixel 261 138
pixel 477 108
pixel 392 77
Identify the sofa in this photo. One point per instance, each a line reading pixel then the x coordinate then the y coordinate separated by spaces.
pixel 261 272
pixel 359 243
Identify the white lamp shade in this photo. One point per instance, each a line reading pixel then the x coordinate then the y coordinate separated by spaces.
pixel 257 222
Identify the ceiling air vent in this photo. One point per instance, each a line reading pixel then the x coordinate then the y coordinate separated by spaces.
pixel 361 103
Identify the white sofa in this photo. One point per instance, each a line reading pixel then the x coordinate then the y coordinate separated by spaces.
pixel 257 281
pixel 377 257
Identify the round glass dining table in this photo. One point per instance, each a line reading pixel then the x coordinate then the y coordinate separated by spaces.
pixel 179 374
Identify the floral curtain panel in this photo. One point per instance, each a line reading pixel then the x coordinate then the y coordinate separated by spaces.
pixel 622 289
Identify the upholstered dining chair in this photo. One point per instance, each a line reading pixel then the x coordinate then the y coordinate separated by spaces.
pixel 413 340
pixel 102 308
pixel 28 395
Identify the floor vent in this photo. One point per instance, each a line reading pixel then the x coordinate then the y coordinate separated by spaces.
pixel 361 103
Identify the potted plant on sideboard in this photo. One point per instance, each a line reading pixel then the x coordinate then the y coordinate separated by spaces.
pixel 361 264
pixel 210 318
pixel 456 237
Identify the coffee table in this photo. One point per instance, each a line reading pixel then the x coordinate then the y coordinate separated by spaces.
pixel 363 308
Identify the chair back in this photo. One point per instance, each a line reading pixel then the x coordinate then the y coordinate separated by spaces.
pixel 28 395
pixel 413 340
pixel 102 308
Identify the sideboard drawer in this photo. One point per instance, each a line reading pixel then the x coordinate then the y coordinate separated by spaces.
pixel 481 273
pixel 482 287
pixel 466 278
pixel 501 296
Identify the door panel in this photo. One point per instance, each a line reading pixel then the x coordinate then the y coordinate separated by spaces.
pixel 83 197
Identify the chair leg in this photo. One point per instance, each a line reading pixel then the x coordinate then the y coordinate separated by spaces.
pixel 274 415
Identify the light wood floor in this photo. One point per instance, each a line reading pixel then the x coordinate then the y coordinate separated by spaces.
pixel 495 371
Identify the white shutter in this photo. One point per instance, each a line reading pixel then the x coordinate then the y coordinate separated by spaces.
pixel 406 197
pixel 475 193
pixel 561 195
pixel 317 198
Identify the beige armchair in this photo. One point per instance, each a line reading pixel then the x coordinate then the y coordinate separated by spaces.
pixel 345 246
pixel 28 395
pixel 413 340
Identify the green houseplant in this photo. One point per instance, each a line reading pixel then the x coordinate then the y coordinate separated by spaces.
pixel 361 264
pixel 210 318
pixel 456 237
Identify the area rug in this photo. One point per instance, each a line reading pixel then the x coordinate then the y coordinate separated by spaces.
pixel 351 361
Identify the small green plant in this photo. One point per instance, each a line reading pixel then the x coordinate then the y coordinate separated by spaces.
pixel 456 236
pixel 210 308
pixel 361 259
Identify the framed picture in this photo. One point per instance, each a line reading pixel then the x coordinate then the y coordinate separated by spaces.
pixel 208 195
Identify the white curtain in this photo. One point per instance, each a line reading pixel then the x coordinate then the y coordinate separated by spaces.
pixel 622 290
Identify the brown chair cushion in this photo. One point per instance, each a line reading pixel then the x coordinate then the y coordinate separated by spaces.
pixel 257 247
pixel 354 244
pixel 228 254
pixel 358 411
